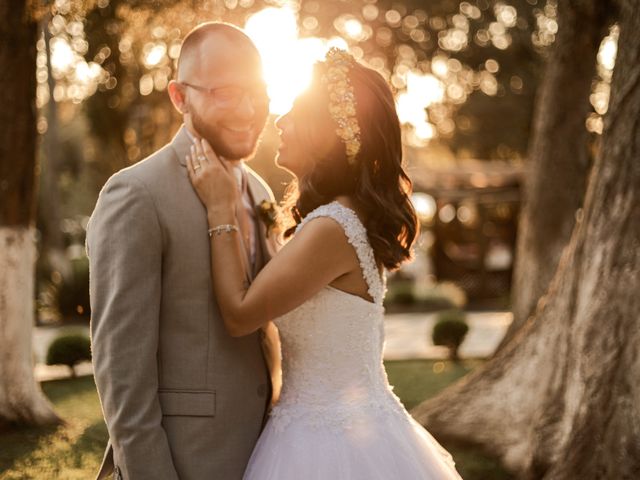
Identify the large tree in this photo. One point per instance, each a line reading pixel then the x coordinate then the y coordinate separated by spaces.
pixel 559 156
pixel 561 400
pixel 21 400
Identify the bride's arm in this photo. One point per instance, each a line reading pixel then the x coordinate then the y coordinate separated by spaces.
pixel 314 258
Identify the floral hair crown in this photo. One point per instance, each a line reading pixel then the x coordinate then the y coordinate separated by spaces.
pixel 342 100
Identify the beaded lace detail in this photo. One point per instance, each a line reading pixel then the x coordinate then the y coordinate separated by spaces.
pixel 333 375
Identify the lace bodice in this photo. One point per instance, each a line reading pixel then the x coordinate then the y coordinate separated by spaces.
pixel 332 345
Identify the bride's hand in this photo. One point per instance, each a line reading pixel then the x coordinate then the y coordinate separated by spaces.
pixel 212 179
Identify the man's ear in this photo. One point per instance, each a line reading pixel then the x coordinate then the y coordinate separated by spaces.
pixel 177 96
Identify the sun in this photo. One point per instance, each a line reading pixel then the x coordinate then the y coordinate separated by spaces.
pixel 287 59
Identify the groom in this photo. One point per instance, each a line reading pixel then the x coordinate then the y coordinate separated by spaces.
pixel 181 398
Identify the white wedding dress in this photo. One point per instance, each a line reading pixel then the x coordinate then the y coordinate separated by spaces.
pixel 337 418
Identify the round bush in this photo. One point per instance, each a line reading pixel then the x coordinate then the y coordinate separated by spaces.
pixel 450 330
pixel 69 350
pixel 401 292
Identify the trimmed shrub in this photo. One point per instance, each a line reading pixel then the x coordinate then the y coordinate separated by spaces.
pixel 69 350
pixel 400 292
pixel 450 330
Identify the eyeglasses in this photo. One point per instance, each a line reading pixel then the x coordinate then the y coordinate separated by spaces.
pixel 230 96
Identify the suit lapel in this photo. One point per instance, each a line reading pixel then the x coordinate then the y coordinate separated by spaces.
pixel 181 144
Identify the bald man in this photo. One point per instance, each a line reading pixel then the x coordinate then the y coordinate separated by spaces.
pixel 181 398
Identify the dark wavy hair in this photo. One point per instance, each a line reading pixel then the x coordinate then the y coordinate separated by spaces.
pixel 376 182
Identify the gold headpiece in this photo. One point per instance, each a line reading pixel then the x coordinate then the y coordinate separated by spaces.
pixel 342 101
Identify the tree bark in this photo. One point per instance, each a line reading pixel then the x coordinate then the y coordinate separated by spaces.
pixel 559 158
pixel 21 400
pixel 562 400
pixel 52 249
pixel 53 238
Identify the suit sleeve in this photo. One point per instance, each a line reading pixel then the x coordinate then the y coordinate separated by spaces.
pixel 124 244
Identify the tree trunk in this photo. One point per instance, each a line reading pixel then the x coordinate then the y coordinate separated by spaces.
pixel 562 399
pixel 53 238
pixel 21 400
pixel 52 242
pixel 559 159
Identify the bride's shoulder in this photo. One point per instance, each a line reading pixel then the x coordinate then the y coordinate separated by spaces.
pixel 321 237
pixel 332 223
pixel 320 225
pixel 338 212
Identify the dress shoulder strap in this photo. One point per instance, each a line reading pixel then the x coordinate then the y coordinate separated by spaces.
pixel 356 235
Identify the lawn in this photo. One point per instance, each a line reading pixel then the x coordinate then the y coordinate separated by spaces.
pixel 74 450
pixel 68 452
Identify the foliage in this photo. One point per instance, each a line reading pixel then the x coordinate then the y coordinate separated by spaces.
pixel 450 330
pixel 444 295
pixel 406 294
pixel 72 293
pixel 69 350
pixel 400 292
pixel 483 52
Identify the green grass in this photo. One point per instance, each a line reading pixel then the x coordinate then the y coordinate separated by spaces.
pixel 417 380
pixel 68 452
pixel 74 450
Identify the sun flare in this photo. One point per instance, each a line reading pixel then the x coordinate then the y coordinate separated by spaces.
pixel 287 59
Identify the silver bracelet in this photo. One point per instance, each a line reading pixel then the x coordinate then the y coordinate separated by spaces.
pixel 220 229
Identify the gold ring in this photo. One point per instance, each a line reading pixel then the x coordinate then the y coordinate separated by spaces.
pixel 196 167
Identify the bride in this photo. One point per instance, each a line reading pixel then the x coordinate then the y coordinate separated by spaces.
pixel 337 417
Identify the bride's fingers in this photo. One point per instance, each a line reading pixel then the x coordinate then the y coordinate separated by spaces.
pixel 199 154
pixel 190 170
pixel 211 155
pixel 194 157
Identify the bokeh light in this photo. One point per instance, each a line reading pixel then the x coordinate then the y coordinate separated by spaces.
pixel 62 55
pixel 292 36
pixel 154 54
pixel 425 206
pixel 422 91
pixel 599 97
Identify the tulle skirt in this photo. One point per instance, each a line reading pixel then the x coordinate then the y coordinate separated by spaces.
pixel 390 447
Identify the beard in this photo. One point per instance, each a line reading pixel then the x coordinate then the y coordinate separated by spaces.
pixel 222 148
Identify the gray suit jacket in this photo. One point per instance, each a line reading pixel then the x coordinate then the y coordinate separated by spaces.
pixel 181 398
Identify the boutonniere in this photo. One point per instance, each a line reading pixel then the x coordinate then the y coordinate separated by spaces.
pixel 268 213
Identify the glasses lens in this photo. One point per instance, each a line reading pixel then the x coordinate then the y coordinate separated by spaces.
pixel 231 96
pixel 228 96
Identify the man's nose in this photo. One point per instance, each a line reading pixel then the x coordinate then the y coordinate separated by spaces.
pixel 246 108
